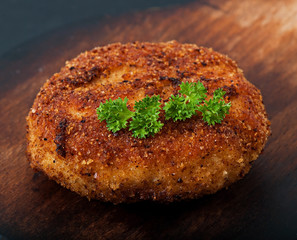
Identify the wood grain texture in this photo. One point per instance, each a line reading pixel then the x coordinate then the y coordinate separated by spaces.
pixel 260 35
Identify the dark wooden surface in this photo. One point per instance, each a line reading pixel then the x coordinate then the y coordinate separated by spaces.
pixel 260 35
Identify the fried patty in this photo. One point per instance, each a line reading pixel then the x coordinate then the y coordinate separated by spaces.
pixel 185 160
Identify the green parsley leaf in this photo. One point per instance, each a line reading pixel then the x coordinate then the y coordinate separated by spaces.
pixel 194 91
pixel 191 98
pixel 214 110
pixel 115 112
pixel 145 121
pixel 185 105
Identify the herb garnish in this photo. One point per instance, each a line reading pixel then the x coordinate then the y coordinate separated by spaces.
pixel 144 122
pixel 115 113
pixel 185 105
pixel 214 110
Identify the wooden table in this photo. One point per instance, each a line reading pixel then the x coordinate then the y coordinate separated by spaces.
pixel 260 35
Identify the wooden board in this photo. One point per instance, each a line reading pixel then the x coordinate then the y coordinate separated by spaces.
pixel 260 35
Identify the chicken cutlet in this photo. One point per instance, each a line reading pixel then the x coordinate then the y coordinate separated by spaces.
pixel 185 160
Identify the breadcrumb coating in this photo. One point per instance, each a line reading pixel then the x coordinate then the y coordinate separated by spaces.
pixel 185 160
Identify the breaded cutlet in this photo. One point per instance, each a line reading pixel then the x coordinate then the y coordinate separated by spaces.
pixel 185 160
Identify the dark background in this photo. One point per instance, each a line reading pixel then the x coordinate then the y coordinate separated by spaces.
pixel 24 20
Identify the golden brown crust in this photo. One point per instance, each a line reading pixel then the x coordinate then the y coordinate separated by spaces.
pixel 186 159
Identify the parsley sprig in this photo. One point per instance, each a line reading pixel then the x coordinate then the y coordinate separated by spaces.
pixel 115 113
pixel 214 110
pixel 185 105
pixel 144 119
